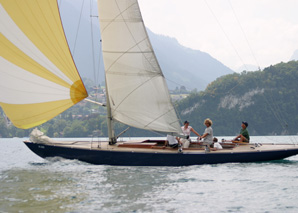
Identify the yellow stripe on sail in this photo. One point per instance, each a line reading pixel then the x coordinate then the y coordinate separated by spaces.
pixel 26 116
pixel 77 92
pixel 29 115
pixel 35 61
pixel 40 22
pixel 11 53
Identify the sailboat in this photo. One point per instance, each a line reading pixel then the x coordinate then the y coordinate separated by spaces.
pixel 39 80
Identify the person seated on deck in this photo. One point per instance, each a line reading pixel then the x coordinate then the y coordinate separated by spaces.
pixel 175 142
pixel 216 145
pixel 244 135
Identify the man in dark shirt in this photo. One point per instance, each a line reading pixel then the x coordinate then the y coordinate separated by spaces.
pixel 243 136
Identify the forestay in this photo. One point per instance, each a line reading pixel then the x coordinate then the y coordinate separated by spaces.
pixel 137 89
pixel 38 77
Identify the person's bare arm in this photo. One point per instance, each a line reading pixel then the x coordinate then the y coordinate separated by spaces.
pixel 194 131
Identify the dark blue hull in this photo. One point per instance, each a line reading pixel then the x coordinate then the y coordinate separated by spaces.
pixel 102 157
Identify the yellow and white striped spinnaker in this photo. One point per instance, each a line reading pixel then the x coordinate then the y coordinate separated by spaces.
pixel 38 77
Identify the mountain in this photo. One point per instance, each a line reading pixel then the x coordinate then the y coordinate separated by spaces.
pixel 267 100
pixel 181 66
pixel 185 66
pixel 294 56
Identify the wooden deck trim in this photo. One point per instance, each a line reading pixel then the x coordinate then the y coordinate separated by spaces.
pixel 137 145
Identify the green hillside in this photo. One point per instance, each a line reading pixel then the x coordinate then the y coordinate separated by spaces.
pixel 267 100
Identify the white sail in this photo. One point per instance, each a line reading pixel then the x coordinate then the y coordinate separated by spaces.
pixel 137 90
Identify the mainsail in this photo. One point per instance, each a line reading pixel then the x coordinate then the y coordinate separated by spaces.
pixel 38 77
pixel 138 94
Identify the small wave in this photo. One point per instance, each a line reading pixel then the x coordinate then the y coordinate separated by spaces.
pixel 38 163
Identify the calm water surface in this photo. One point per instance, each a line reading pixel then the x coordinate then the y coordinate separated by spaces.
pixel 31 184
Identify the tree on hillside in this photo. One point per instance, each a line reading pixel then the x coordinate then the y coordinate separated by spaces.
pixel 266 99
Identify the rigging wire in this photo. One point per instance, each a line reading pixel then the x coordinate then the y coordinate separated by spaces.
pixel 225 33
pixel 174 82
pixel 227 37
pixel 76 40
pixel 77 33
pixel 272 105
pixel 95 70
pixel 244 35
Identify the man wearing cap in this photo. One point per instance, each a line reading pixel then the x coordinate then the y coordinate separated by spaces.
pixel 243 136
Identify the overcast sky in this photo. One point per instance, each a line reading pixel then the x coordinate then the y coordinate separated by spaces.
pixel 235 32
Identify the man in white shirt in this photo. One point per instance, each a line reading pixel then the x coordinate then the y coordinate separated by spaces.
pixel 174 142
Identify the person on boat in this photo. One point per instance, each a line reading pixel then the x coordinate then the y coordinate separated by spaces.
pixel 186 129
pixel 208 133
pixel 216 145
pixel 174 142
pixel 244 135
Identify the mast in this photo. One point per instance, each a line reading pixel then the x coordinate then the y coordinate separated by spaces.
pixel 110 122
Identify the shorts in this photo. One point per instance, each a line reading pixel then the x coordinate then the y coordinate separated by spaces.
pixel 173 145
pixel 245 140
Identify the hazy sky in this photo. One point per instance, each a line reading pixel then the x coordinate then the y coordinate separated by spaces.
pixel 235 32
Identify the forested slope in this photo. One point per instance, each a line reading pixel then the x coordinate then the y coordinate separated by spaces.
pixel 267 100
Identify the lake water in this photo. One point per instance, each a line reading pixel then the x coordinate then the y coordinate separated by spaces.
pixel 31 184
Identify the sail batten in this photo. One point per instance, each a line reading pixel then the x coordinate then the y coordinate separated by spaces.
pixel 38 77
pixel 137 89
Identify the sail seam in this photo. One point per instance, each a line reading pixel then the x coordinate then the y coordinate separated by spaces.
pixel 123 53
pixel 110 21
pixel 109 51
pixel 60 56
pixel 146 126
pixel 134 91
pixel 160 116
pixel 149 73
pixel 137 43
